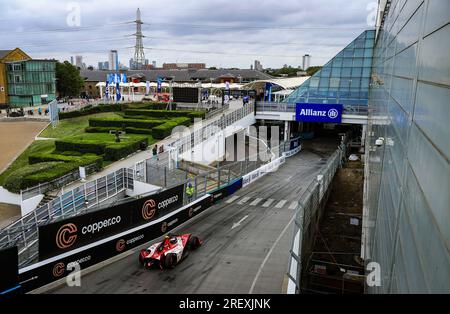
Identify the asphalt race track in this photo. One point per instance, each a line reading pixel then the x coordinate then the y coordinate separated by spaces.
pixel 252 257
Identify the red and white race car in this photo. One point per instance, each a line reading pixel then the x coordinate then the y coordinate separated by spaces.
pixel 171 251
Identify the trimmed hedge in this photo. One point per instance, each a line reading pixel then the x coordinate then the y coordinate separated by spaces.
pixel 121 123
pixel 138 131
pixel 110 151
pixel 165 130
pixel 83 160
pixel 152 105
pixel 45 168
pixel 165 113
pixel 88 110
pixel 16 181
pixel 95 129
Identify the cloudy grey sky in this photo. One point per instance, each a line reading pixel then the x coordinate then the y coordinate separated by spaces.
pixel 221 33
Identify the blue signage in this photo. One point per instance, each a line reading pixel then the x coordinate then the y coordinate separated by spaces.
pixel 159 83
pixel 326 113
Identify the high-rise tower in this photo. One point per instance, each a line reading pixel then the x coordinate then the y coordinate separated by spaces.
pixel 139 56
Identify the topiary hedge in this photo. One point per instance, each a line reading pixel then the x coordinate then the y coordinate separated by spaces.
pixel 123 123
pixel 110 151
pixel 16 181
pixel 88 110
pixel 100 130
pixel 138 131
pixel 152 105
pixel 162 131
pixel 165 113
pixel 45 168
pixel 77 161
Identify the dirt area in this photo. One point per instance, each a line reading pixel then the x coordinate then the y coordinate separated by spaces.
pixel 8 214
pixel 15 138
pixel 338 243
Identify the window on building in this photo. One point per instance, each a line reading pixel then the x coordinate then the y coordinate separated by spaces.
pixel 17 67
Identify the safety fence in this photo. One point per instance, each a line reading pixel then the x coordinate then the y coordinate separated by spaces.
pixel 43 188
pixel 308 214
pixel 23 233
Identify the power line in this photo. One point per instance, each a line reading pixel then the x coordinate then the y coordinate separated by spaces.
pixel 258 27
pixel 66 29
pixel 221 53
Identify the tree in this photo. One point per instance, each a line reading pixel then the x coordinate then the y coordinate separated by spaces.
pixel 69 83
pixel 312 70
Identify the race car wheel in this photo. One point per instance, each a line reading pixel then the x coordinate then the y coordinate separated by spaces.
pixel 170 260
pixel 194 242
pixel 147 265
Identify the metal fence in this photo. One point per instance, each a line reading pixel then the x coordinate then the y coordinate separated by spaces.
pixel 308 214
pixel 209 129
pixel 43 188
pixel 24 232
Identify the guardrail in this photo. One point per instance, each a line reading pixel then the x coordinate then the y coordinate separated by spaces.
pixel 307 216
pixel 24 232
pixel 43 188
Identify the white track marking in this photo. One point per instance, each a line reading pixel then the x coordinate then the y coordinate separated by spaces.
pixel 293 205
pixel 268 255
pixel 280 204
pixel 232 199
pixel 239 222
pixel 256 202
pixel 269 201
pixel 244 200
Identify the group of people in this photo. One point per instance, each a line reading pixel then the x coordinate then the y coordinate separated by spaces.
pixel 157 151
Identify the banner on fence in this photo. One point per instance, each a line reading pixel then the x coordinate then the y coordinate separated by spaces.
pixel 78 231
pixel 51 270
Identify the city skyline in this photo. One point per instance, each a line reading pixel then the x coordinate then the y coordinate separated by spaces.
pixel 199 33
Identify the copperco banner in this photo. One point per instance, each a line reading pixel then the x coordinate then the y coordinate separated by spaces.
pixel 51 270
pixel 69 234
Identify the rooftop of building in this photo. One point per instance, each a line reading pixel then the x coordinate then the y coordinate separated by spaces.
pixel 179 75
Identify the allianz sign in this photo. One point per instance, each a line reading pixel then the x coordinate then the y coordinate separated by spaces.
pixel 326 113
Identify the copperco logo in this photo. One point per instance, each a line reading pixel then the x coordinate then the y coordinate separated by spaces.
pixel 149 209
pixel 66 236
pixel 58 270
pixel 120 245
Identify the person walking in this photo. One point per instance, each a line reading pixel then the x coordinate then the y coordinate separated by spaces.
pixel 155 151
pixel 190 192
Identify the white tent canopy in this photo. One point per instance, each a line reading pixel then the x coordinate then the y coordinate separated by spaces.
pixel 284 83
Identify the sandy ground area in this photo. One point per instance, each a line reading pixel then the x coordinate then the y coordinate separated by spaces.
pixel 15 137
pixel 8 214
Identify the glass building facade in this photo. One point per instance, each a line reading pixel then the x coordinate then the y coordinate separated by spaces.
pixel 407 212
pixel 345 79
pixel 31 82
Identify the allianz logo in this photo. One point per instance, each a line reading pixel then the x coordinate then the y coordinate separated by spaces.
pixel 332 113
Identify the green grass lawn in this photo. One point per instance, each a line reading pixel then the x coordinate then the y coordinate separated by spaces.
pixel 68 129
pixel 35 148
pixel 75 126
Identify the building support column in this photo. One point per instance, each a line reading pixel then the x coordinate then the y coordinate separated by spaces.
pixel 101 92
pixel 363 135
pixel 287 131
